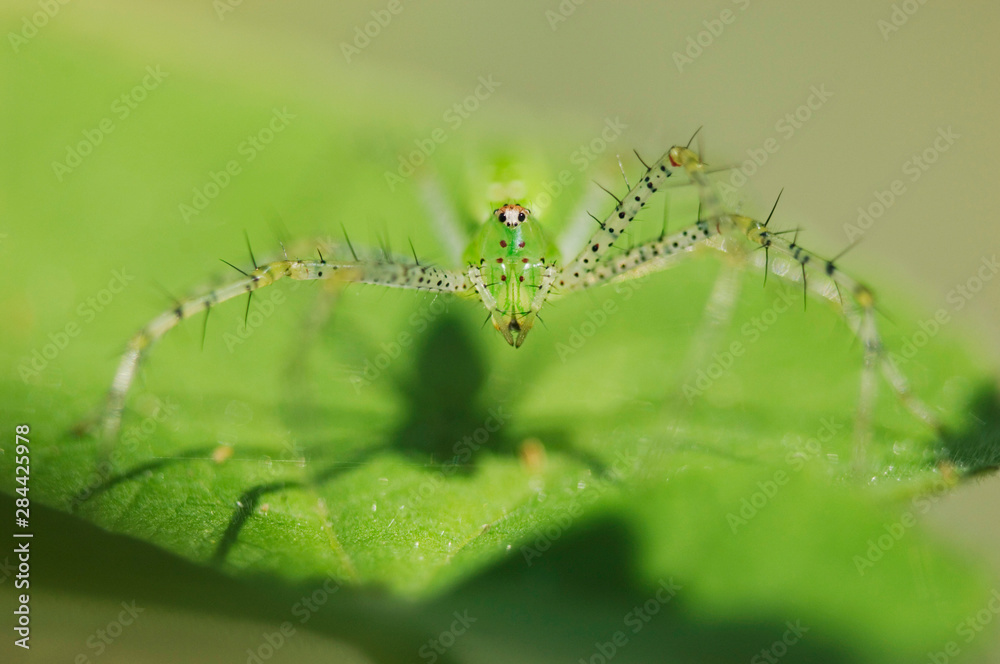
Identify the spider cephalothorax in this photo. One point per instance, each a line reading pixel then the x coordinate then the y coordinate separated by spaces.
pixel 511 266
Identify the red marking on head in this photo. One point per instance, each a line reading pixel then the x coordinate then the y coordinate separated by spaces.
pixel 499 260
pixel 524 260
pixel 521 246
pixel 503 243
pixel 521 278
pixel 503 277
pixel 672 159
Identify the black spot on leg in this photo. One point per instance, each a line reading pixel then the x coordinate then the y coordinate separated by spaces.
pixel 596 247
pixel 179 312
pixel 621 215
pixel 830 268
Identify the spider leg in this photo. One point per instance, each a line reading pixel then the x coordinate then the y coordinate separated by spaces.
pixel 394 274
pixel 580 226
pixel 824 278
pixel 718 315
pixel 854 300
pixel 856 303
pixel 640 260
pixel 602 240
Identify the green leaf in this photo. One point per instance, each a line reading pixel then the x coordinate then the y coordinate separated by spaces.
pixel 400 447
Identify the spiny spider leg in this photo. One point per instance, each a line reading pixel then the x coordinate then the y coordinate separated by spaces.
pixel 393 274
pixel 818 275
pixel 602 241
pixel 838 281
pixel 641 259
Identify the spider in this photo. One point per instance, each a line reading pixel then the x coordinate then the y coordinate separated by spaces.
pixel 513 270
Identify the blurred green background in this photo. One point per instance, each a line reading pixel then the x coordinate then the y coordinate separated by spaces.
pixel 563 69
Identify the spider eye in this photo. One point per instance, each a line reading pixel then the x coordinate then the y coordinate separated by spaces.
pixel 520 216
pixel 503 216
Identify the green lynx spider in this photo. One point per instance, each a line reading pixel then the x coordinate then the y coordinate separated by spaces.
pixel 514 270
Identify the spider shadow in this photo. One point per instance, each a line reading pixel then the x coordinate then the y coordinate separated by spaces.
pixel 456 412
pixel 445 424
pixel 453 416
pixel 446 419
pixel 108 480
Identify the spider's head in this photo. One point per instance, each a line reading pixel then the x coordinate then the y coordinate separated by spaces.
pixel 512 215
